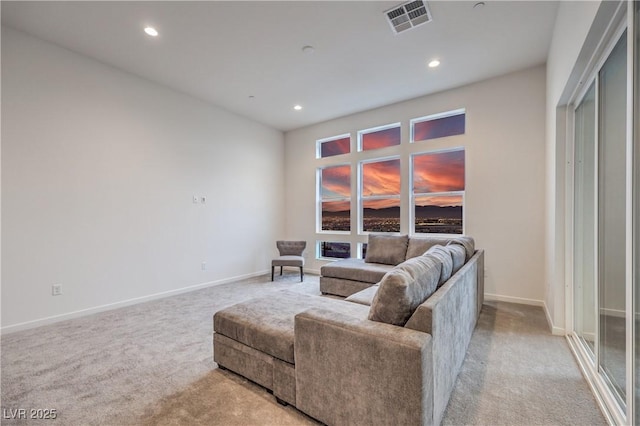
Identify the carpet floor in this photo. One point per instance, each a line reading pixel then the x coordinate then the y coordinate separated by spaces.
pixel 151 364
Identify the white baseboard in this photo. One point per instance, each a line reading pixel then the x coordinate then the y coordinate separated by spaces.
pixel 556 331
pixel 110 306
pixel 512 299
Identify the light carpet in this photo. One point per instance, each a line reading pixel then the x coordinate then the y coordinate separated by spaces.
pixel 151 364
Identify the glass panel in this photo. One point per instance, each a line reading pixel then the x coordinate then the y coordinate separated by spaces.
pixel 381 178
pixel 439 214
pixel 584 219
pixel 380 138
pixel 636 215
pixel 336 215
pixel 381 215
pixel 335 182
pixel 337 250
pixel 438 172
pixel 335 147
pixel 438 128
pixel 611 220
pixel 364 250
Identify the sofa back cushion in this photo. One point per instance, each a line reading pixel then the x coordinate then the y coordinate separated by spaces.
pixel 443 256
pixel 404 288
pixel 458 253
pixel 419 245
pixel 387 249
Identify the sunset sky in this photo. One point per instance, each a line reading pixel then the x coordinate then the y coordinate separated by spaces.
pixel 439 200
pixel 381 138
pixel 438 172
pixel 438 128
pixel 335 147
pixel 336 182
pixel 381 178
pixel 432 173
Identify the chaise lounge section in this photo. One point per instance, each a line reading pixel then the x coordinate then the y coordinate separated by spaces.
pixel 387 355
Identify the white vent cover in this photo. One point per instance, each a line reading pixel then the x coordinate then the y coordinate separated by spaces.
pixel 408 15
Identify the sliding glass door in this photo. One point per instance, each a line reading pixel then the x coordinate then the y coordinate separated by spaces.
pixel 600 226
pixel 584 243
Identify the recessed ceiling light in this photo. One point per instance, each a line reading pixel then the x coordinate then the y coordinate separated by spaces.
pixel 297 107
pixel 151 31
pixel 307 50
pixel 478 5
pixel 434 63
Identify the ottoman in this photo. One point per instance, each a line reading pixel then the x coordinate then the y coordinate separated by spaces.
pixel 255 338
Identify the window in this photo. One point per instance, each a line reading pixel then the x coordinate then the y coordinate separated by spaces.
pixel 438 192
pixel 438 126
pixel 330 249
pixel 380 196
pixel 337 145
pixel 379 137
pixel 335 198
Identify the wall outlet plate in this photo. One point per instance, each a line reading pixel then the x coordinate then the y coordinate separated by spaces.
pixel 56 290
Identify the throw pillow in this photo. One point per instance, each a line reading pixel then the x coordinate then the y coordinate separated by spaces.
pixel 386 249
pixel 403 289
pixel 458 253
pixel 444 256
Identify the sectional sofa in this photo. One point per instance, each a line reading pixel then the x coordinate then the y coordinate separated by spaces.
pixel 388 354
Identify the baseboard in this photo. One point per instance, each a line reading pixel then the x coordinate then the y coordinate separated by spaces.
pixel 110 306
pixel 556 331
pixel 512 299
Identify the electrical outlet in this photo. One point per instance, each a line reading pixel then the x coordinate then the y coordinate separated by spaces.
pixel 195 199
pixel 203 199
pixel 56 289
pixel 203 265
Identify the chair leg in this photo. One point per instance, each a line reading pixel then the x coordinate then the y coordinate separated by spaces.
pixel 272 268
pixel 301 275
pixel 281 270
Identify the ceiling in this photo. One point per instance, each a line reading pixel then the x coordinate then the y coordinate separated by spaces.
pixel 247 56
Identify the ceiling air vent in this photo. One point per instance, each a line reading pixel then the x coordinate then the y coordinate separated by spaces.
pixel 408 15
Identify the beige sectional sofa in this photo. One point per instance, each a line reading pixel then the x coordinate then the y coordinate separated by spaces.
pixel 389 354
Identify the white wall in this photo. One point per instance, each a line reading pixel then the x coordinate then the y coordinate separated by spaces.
pixel 504 199
pixel 98 172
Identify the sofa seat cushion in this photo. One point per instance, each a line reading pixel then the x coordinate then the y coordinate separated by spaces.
pixel 387 249
pixel 267 323
pixel 355 270
pixel 364 297
pixel 404 288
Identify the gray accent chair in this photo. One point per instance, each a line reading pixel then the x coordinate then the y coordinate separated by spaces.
pixel 290 255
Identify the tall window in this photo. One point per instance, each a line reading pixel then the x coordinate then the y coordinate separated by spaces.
pixel 337 145
pixel 380 196
pixel 438 125
pixel 335 198
pixel 379 137
pixel 438 192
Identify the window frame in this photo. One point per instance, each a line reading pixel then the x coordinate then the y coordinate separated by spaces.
pixel 319 255
pixel 319 143
pixel 432 117
pixel 361 133
pixel 320 199
pixel 362 198
pixel 413 195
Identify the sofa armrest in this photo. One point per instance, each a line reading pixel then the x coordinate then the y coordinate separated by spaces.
pixel 356 371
